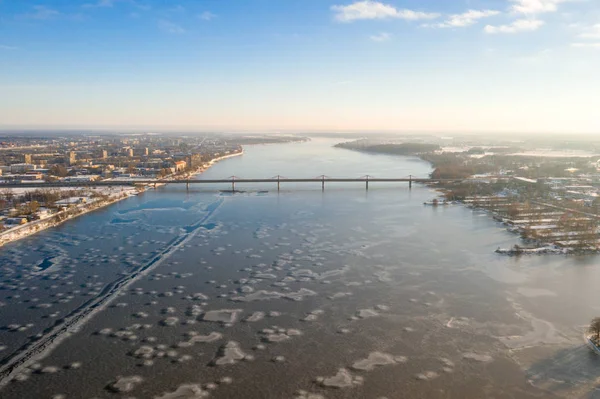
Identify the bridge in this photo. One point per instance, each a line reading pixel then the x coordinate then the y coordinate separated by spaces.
pixel 232 180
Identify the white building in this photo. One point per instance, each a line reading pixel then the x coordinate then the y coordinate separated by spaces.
pixel 82 178
pixel 21 167
pixel 71 201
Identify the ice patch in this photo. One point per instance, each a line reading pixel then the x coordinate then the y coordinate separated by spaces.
pixel 263 295
pixel 212 337
pixel 338 295
pixel 383 277
pixel 230 353
pixel 225 316
pixel 314 315
pixel 427 375
pixel 254 317
pixel 276 334
pixel 366 313
pixel 186 391
pixel 534 292
pixel 125 384
pixel 376 359
pixel 264 276
pixel 343 379
pixel 169 321
pixel 144 352
pixel 477 357
pixel 308 395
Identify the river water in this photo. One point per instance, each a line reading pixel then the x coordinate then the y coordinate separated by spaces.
pixel 342 293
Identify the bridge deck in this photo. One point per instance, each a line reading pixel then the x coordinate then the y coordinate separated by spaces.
pixel 131 182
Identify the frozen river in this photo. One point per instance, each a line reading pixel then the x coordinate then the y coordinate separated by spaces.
pixel 302 294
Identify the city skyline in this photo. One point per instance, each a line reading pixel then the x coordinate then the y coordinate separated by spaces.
pixel 406 66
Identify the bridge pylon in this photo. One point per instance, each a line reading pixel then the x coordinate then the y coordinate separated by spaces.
pixel 322 182
pixel 278 182
pixel 367 182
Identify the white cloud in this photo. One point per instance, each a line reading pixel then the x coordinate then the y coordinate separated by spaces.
pixel 136 4
pixel 177 8
pixel 520 25
pixel 535 6
pixel 587 45
pixel 381 37
pixel 99 4
pixel 375 10
pixel 207 16
pixel 42 12
pixel 6 47
pixel 465 19
pixel 591 33
pixel 170 27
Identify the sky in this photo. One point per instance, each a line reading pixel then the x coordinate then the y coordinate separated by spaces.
pixel 530 66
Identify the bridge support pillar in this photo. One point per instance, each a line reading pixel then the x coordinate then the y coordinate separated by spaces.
pixel 187 186
pixel 323 184
pixel 367 184
pixel 233 185
pixel 410 182
pixel 277 184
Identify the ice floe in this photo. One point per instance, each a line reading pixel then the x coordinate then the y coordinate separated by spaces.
pixel 377 359
pixel 343 379
pixel 224 316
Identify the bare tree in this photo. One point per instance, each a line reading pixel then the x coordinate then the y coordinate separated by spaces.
pixel 29 208
pixel 594 328
pixel 596 205
pixel 59 170
pixel 513 210
pixel 8 194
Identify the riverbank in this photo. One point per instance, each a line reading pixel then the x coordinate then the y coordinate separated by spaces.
pixel 591 343
pixel 30 228
pixel 207 166
pixel 214 161
pixel 549 217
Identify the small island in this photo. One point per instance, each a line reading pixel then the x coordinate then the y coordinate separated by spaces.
pixel 406 149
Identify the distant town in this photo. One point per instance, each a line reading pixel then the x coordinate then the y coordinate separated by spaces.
pixel 53 157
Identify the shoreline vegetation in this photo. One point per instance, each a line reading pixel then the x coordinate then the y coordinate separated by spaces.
pixel 99 202
pixel 444 165
pixel 593 334
pixel 405 149
pixel 535 202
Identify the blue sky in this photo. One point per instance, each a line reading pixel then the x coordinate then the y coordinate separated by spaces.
pixel 339 65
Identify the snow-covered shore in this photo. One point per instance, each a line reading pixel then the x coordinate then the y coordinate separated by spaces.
pixel 114 195
pixel 590 342
pixel 30 228
pixel 236 154
pixel 214 161
pixel 550 249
